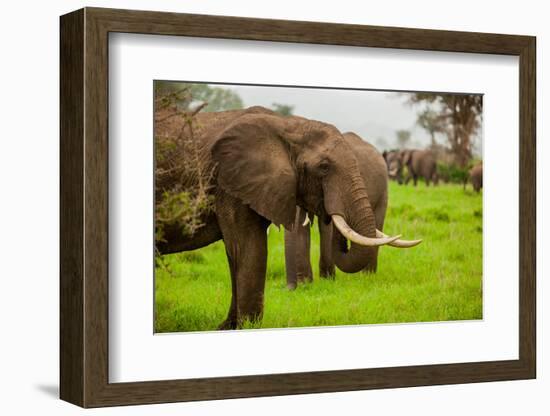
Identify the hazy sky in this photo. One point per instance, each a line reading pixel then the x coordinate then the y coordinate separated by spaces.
pixel 373 115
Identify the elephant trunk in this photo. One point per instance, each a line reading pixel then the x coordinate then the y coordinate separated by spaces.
pixel 359 216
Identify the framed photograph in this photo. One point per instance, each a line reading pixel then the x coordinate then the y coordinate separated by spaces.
pixel 254 207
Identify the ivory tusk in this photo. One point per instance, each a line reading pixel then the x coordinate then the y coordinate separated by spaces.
pixel 306 221
pixel 357 238
pixel 399 243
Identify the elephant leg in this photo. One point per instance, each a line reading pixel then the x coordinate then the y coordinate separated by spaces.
pixel 427 179
pixel 477 185
pixel 303 263
pixel 231 320
pixel 326 263
pixel 290 259
pixel 245 239
pixel 415 179
pixel 297 252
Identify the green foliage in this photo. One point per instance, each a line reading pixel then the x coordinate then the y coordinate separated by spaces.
pixel 182 209
pixel 452 172
pixel 191 256
pixel 166 97
pixel 439 280
pixel 217 98
pixel 283 109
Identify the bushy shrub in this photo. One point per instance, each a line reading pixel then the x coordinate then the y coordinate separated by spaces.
pixel 182 179
pixel 184 209
pixel 452 173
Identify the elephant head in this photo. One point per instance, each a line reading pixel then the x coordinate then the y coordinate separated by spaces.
pixel 274 163
pixel 394 163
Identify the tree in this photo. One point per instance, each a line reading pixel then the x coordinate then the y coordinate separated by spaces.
pixel 403 137
pixel 283 109
pixel 216 98
pixel 432 122
pixel 459 115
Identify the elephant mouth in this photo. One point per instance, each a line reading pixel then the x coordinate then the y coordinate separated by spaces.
pixel 393 169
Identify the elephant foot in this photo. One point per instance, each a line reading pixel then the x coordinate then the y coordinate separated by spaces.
pixel 228 324
pixel 307 278
pixel 327 273
pixel 328 276
pixel 291 286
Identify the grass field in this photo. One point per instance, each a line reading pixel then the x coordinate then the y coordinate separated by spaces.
pixel 439 280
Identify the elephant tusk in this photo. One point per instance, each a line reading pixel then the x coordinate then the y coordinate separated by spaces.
pixel 306 221
pixel 357 238
pixel 399 243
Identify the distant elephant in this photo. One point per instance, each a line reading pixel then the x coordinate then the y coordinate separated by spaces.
pixel 372 168
pixel 420 163
pixel 476 176
pixel 394 165
pixel 265 166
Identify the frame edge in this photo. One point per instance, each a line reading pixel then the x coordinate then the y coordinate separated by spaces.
pixel 528 207
pixel 84 355
pixel 71 291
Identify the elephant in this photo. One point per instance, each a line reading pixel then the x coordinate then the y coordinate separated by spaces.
pixel 420 163
pixel 476 176
pixel 264 166
pixel 394 164
pixel 372 168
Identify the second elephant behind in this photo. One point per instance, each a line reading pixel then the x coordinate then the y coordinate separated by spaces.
pixel 373 170
pixel 420 164
pixel 475 175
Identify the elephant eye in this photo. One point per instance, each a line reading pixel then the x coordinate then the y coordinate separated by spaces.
pixel 323 167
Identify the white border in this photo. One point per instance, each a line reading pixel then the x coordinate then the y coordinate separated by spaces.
pixel 135 354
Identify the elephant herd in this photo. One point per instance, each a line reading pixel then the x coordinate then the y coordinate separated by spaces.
pixel 422 164
pixel 287 170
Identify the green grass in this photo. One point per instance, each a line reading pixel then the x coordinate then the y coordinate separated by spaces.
pixel 439 280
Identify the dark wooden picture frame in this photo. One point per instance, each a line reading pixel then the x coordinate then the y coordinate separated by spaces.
pixel 84 207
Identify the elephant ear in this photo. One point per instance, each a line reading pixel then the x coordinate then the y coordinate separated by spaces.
pixel 254 166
